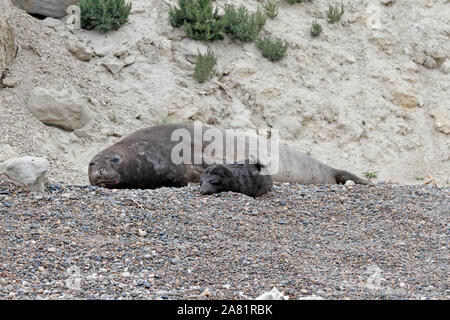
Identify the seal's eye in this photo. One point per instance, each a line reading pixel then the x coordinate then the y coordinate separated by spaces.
pixel 115 160
pixel 92 164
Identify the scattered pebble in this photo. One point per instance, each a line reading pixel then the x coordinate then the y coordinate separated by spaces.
pixel 79 242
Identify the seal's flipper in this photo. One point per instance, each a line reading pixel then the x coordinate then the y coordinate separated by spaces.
pixel 342 176
pixel 259 165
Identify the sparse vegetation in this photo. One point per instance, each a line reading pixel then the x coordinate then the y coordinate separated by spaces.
pixel 104 15
pixel 202 22
pixel 370 175
pixel 334 14
pixel 113 117
pixel 316 29
pixel 198 19
pixel 166 120
pixel 242 24
pixel 270 9
pixel 204 67
pixel 272 48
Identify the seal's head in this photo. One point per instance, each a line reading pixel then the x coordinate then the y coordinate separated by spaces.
pixel 105 169
pixel 212 180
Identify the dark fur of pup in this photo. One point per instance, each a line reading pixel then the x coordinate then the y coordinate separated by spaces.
pixel 242 178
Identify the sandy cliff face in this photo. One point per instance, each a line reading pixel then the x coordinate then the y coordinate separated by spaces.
pixel 7 44
pixel 370 94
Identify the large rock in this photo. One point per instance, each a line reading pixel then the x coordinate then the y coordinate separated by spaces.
pixel 31 171
pixel 47 8
pixel 61 109
pixel 7 45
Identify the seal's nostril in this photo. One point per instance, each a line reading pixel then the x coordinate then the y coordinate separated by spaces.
pixel 100 173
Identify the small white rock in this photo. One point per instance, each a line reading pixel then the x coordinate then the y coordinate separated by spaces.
pixel 52 22
pixel 206 293
pixel 129 60
pixel 137 10
pixel 10 82
pixel 102 51
pixel 441 116
pixel 445 67
pixel 120 52
pixel 274 294
pixel 80 50
pixel 311 297
pixel 114 65
pixel 430 63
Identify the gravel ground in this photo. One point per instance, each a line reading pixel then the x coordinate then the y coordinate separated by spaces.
pixel 333 242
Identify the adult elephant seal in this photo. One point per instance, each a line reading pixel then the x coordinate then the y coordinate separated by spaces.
pixel 243 178
pixel 172 155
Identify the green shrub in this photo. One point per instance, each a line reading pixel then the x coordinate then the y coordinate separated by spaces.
pixel 198 19
pixel 204 66
pixel 104 15
pixel 370 175
pixel 271 48
pixel 242 24
pixel 271 9
pixel 334 14
pixel 316 29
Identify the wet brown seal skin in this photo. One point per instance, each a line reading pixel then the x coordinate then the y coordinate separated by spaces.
pixel 242 178
pixel 142 160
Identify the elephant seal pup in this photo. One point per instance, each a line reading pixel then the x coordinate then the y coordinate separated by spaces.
pixel 242 178
pixel 145 160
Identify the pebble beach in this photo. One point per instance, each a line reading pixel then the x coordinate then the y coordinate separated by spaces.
pixel 309 242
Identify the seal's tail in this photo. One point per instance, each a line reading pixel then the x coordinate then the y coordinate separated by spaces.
pixel 342 176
